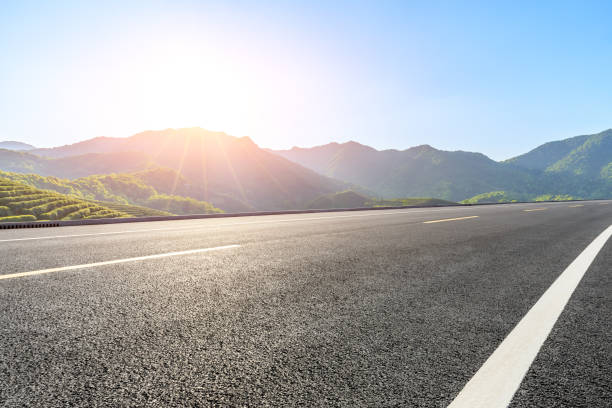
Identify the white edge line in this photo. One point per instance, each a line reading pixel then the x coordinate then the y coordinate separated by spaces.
pixel 496 382
pixel 115 261
pixel 450 219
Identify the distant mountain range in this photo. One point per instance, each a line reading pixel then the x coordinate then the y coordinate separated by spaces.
pixel 11 145
pixel 234 174
pixel 580 166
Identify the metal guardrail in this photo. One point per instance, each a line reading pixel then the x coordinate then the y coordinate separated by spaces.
pixel 37 224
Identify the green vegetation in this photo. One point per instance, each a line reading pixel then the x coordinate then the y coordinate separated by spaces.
pixel 20 202
pixel 352 199
pixel 181 205
pixel 343 199
pixel 134 210
pixel 554 197
pixel 510 197
pixel 407 202
pixel 18 218
pixel 128 193
pixel 494 197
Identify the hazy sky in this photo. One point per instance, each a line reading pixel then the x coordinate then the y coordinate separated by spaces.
pixel 495 77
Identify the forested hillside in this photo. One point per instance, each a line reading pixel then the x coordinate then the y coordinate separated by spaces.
pixel 586 156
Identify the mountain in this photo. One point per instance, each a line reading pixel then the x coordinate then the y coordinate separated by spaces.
pixel 586 155
pixel 215 167
pixel 12 145
pixel 420 171
pixel 577 167
pixel 74 166
pixel 234 174
pixel 100 144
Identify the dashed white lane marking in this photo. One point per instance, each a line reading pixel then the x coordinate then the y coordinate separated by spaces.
pixel 495 383
pixel 115 261
pixel 449 219
pixel 577 205
pixel 192 227
pixel 536 209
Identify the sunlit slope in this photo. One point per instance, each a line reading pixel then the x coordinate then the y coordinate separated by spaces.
pixel 587 155
pixel 129 193
pixel 20 202
pixel 217 168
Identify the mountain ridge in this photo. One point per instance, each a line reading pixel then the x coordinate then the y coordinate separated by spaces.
pixel 14 145
pixel 579 166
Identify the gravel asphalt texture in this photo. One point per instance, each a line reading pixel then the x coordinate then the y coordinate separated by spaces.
pixel 363 309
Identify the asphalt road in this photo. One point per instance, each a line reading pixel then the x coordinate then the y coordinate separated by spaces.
pixel 374 309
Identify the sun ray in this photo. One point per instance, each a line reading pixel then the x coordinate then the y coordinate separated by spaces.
pixel 181 163
pixel 204 169
pixel 231 169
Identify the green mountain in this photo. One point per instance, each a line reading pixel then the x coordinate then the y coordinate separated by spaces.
pixel 230 172
pixel 587 155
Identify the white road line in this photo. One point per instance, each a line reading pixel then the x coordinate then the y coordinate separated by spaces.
pixel 495 383
pixel 190 227
pixel 450 219
pixel 115 261
pixel 536 209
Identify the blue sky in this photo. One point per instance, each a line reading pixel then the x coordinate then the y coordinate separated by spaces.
pixel 495 77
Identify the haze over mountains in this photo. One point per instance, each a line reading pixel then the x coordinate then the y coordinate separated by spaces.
pixel 12 145
pixel 216 167
pixel 235 174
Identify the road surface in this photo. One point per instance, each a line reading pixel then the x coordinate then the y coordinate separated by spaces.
pixel 374 309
